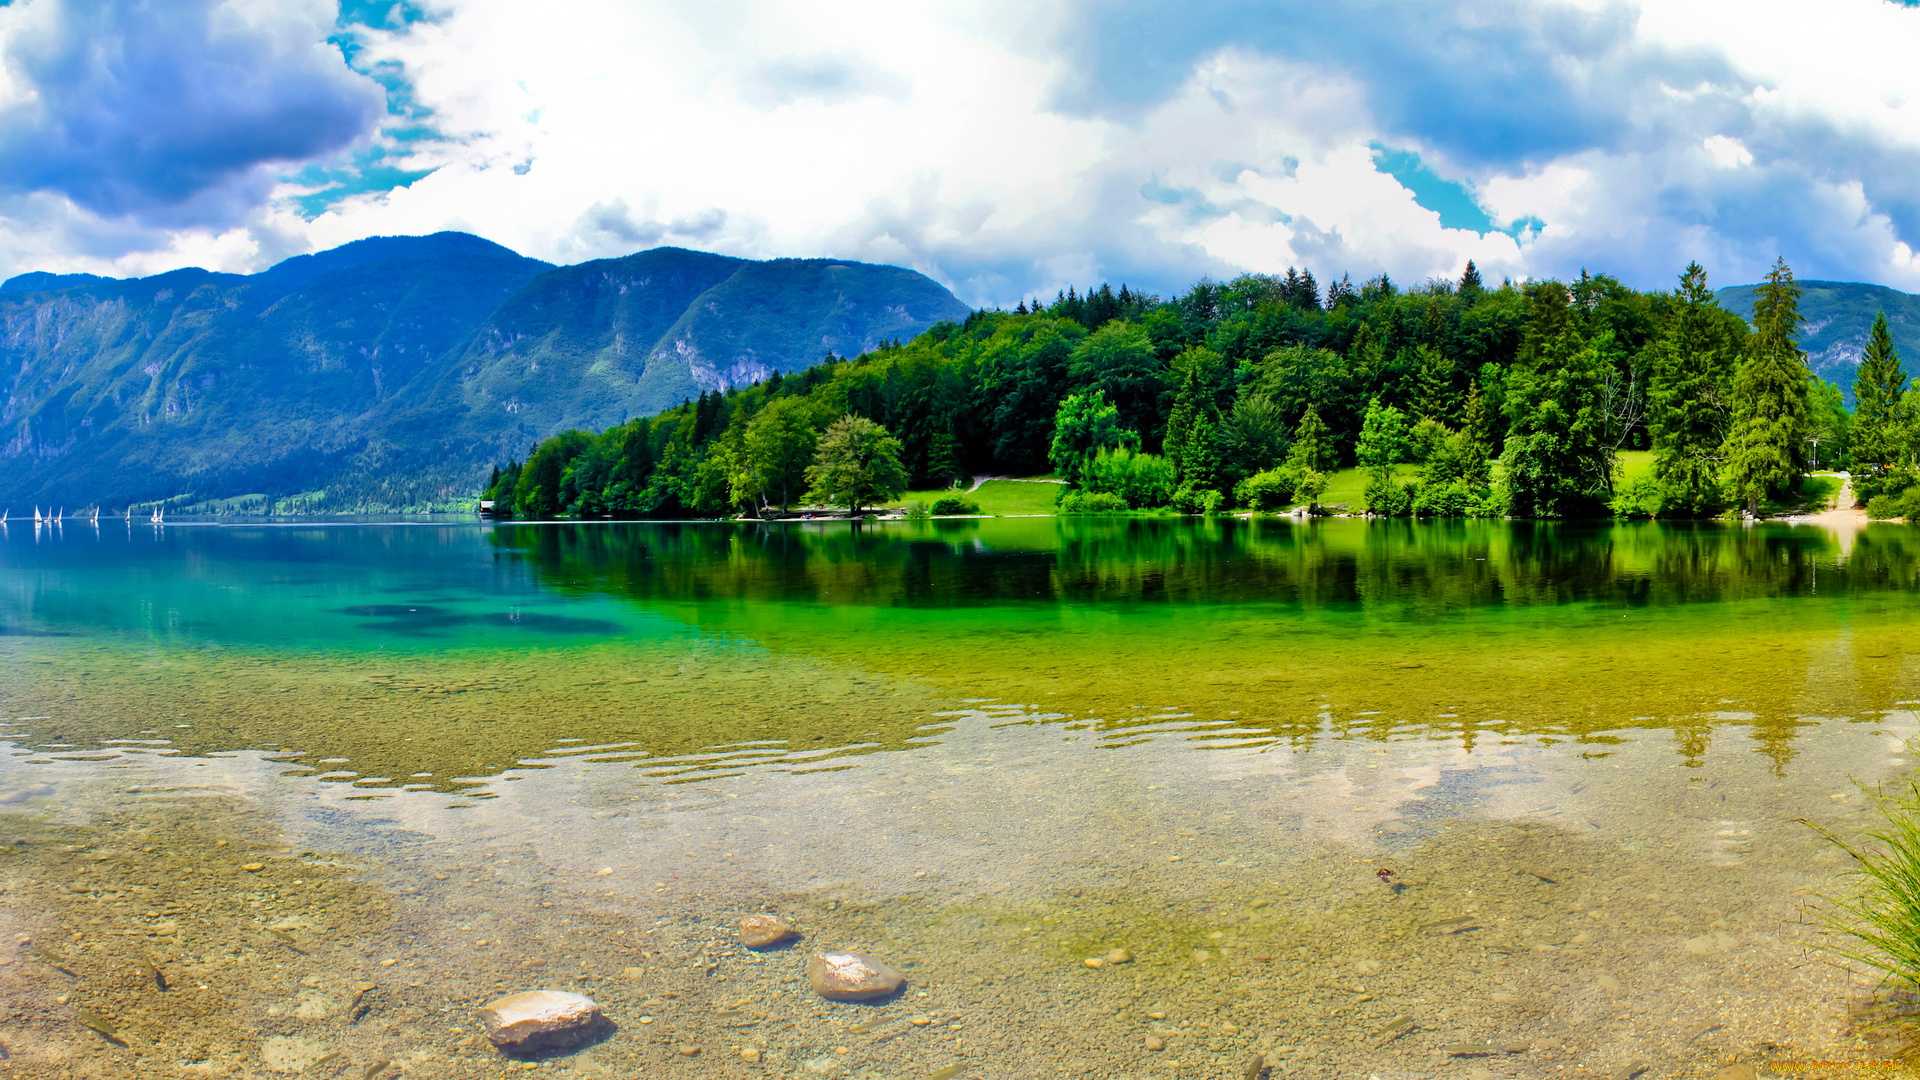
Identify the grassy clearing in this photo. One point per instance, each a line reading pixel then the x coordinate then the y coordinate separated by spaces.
pixel 998 498
pixel 1817 493
pixel 1631 465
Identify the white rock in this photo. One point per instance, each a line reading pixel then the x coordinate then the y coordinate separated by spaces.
pixel 538 1017
pixel 852 977
pixel 765 931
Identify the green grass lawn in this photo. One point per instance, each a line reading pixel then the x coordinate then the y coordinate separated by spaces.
pixel 1346 489
pixel 998 498
pixel 1631 465
pixel 1817 493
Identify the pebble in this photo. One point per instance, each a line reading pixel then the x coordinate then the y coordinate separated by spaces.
pixel 1608 983
pixel 253 867
pixel 690 1050
pixel 1632 1071
pixel 750 1055
pixel 765 931
pixel 852 977
pixel 1094 962
pixel 538 1018
pixel 1155 1042
pixel 1118 956
pixel 1473 1049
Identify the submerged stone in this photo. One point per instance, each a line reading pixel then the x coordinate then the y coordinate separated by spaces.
pixel 536 1018
pixel 852 977
pixel 765 931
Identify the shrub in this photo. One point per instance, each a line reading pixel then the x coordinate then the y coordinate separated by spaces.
pixel 1092 502
pixel 1269 490
pixel 1455 498
pixel 917 510
pixel 1387 498
pixel 1426 439
pixel 1191 500
pixel 953 505
pixel 1640 499
pixel 1143 480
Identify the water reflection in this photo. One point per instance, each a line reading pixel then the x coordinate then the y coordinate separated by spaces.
pixel 1416 569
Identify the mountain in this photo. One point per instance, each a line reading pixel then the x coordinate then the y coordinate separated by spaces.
pixel 1838 315
pixel 389 373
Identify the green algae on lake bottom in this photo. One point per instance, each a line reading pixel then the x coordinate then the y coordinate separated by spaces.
pixel 1208 738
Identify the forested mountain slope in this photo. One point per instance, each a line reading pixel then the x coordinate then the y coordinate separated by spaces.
pixel 387 373
pixel 1839 314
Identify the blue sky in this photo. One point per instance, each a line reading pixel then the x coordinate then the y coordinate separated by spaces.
pixel 1005 148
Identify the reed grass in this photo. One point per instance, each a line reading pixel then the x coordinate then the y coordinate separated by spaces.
pixel 1874 919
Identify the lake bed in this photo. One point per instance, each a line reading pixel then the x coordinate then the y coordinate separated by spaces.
pixel 334 788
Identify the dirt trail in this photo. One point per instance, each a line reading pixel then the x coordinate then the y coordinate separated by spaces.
pixel 1842 512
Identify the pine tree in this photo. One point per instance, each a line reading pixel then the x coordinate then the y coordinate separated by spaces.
pixel 1312 447
pixel 1692 374
pixel 1340 292
pixel 1769 395
pixel 1879 421
pixel 1476 427
pixel 1435 401
pixel 1470 284
pixel 1556 462
pixel 1309 291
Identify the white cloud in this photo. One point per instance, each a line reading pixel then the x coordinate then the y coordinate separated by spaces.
pixel 934 136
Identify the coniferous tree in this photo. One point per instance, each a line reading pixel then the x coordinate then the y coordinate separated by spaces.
pixel 1309 291
pixel 1312 444
pixel 1879 418
pixel 1341 292
pixel 1477 425
pixel 1557 462
pixel 1691 378
pixel 1769 395
pixel 1470 284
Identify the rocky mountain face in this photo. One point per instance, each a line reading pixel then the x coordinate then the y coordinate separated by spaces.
pixel 1838 315
pixel 391 372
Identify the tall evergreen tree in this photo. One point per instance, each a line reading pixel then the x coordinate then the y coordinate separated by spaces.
pixel 1470 284
pixel 1769 395
pixel 1692 376
pixel 1879 420
pixel 1312 447
pixel 1557 462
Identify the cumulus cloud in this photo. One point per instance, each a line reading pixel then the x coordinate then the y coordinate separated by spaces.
pixel 171 113
pixel 1010 149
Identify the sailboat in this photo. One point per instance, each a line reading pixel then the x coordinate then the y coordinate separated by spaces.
pixel 159 512
pixel 38 517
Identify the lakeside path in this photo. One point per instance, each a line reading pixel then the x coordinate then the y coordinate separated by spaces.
pixel 1843 513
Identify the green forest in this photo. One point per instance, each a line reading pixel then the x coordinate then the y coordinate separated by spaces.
pixel 1451 398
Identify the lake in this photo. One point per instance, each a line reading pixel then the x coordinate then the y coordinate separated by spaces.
pixel 1121 798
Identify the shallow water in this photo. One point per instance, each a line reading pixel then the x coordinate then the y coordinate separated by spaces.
pixel 274 793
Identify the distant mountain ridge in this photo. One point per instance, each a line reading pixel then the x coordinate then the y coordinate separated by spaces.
pixel 1838 315
pixel 390 372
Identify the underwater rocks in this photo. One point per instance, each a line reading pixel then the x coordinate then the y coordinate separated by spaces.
pixel 539 1018
pixel 765 931
pixel 852 977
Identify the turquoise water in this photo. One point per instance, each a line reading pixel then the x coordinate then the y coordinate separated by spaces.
pixel 570 756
